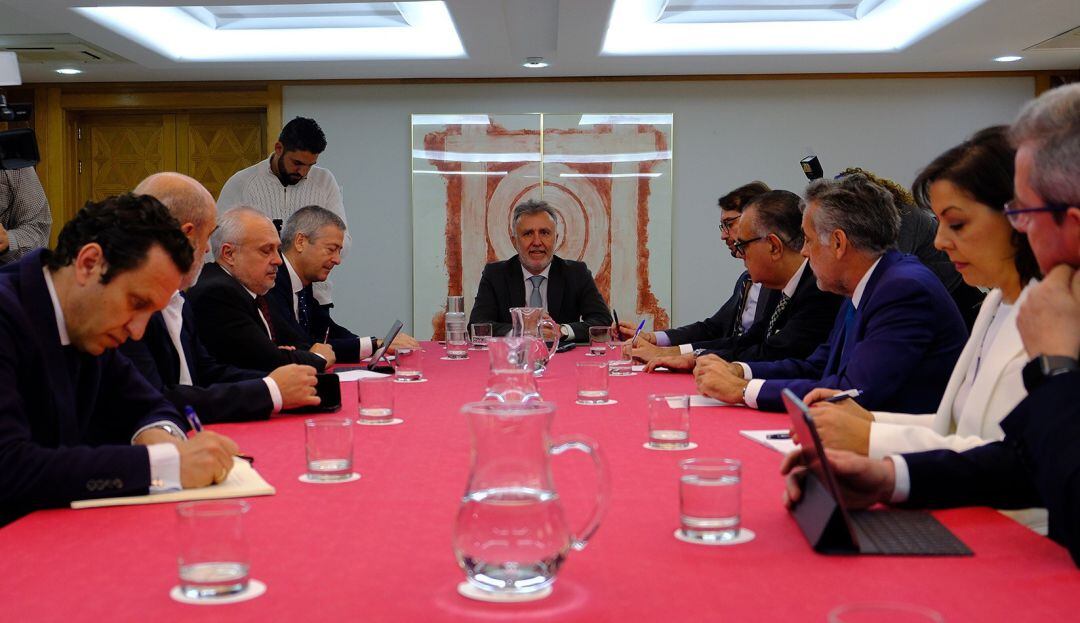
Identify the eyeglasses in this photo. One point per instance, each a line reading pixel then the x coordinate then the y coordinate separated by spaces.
pixel 1020 218
pixel 739 246
pixel 727 223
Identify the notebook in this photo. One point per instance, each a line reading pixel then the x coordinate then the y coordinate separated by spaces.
pixel 243 482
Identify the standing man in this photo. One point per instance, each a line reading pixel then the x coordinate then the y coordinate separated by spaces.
pixel 25 219
pixel 288 181
pixel 77 420
pixel 536 277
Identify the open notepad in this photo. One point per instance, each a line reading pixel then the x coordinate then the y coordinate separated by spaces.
pixel 243 481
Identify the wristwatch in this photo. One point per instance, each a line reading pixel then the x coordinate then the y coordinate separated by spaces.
pixel 1041 368
pixel 699 352
pixel 172 429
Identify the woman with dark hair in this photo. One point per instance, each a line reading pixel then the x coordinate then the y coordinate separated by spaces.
pixel 967 188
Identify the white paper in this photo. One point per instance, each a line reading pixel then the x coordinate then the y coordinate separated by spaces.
pixel 356 375
pixel 638 368
pixel 243 481
pixel 783 446
pixel 697 400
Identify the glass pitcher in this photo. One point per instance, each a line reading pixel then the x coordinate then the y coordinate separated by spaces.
pixel 511 377
pixel 530 322
pixel 511 536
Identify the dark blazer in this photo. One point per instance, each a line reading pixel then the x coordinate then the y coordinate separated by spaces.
pixel 231 327
pixel 1037 464
pixel 219 392
pixel 572 296
pixel 803 325
pixel 703 333
pixel 906 338
pixel 66 417
pixel 345 343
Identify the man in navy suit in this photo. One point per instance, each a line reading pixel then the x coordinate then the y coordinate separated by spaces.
pixel 312 240
pixel 1037 463
pixel 77 420
pixel 170 354
pixel 896 338
pixel 536 277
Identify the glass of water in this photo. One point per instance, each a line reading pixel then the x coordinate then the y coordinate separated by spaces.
pixel 669 421
pixel 409 365
pixel 592 382
pixel 213 558
pixel 621 364
pixel 328 443
pixel 376 396
pixel 481 333
pixel 710 499
pixel 599 338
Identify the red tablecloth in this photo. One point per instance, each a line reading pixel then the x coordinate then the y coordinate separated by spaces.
pixel 379 549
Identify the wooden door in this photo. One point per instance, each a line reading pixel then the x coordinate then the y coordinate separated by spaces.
pixel 212 146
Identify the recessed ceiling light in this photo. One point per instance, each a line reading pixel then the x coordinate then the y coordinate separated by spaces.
pixel 535 62
pixel 1008 59
pixel 68 71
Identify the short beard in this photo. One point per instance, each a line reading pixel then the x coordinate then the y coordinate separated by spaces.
pixel 283 177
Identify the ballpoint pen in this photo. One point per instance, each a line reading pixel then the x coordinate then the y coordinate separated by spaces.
pixel 778 436
pixel 326 340
pixel 193 418
pixel 633 340
pixel 844 395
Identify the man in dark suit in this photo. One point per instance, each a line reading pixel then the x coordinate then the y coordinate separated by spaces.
pixel 896 338
pixel 1037 463
pixel 173 358
pixel 769 239
pixel 77 421
pixel 750 302
pixel 536 277
pixel 232 314
pixel 312 240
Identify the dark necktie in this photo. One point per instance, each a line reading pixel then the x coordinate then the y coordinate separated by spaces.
pixel 264 309
pixel 744 296
pixel 303 309
pixel 780 307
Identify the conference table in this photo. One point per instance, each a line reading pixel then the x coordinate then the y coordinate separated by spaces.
pixel 379 548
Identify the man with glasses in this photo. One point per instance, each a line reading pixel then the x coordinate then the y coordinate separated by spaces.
pixel 896 338
pixel 1037 463
pixel 749 303
pixel 769 239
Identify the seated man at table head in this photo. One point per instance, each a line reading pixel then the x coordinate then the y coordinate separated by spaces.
pixel 897 336
pixel 232 313
pixel 312 239
pixel 77 421
pixel 769 239
pixel 749 302
pixel 1037 463
pixel 536 277
pixel 173 358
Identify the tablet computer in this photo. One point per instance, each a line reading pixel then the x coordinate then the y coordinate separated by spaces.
pixel 380 353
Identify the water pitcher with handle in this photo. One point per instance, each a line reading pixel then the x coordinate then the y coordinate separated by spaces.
pixel 511 377
pixel 511 536
pixel 530 322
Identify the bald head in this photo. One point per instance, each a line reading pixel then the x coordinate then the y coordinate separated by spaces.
pixel 192 206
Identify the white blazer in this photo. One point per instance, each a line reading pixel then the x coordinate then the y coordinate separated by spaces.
pixel 997 388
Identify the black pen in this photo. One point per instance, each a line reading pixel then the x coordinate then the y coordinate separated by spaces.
pixel 616 315
pixel 778 436
pixel 245 457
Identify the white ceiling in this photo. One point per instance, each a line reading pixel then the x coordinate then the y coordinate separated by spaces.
pixel 499 34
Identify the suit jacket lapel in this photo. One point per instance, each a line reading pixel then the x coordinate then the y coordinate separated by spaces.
pixel 515 284
pixel 1006 347
pixel 556 285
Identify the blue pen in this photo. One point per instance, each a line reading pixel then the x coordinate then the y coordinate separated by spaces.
pixel 633 340
pixel 193 418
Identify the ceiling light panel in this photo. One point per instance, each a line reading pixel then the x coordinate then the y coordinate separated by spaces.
pixel 353 31
pixel 654 27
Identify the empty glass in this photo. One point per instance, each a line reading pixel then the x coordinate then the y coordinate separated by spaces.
pixel 710 499
pixel 213 559
pixel 592 382
pixel 376 397
pixel 669 421
pixel 328 444
pixel 409 365
pixel 481 333
pixel 599 338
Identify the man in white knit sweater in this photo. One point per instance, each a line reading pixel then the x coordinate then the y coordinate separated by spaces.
pixel 288 181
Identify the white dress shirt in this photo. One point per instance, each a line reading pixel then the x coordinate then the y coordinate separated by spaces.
pixel 543 293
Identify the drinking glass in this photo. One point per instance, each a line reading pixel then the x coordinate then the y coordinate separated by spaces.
pixel 621 364
pixel 409 365
pixel 213 560
pixel 709 499
pixel 599 338
pixel 592 382
pixel 884 612
pixel 481 333
pixel 669 421
pixel 328 444
pixel 455 304
pixel 376 400
pixel 457 343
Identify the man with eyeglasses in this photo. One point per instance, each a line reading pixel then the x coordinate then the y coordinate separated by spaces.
pixel 1037 464
pixel 749 303
pixel 769 239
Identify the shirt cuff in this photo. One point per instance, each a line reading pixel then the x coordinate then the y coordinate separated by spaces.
pixel 164 467
pixel 275 393
pixel 569 333
pixel 750 394
pixel 366 347
pixel 747 373
pixel 684 349
pixel 317 355
pixel 902 480
pixel 663 340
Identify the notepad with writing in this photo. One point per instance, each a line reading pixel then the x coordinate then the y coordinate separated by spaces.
pixel 243 482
